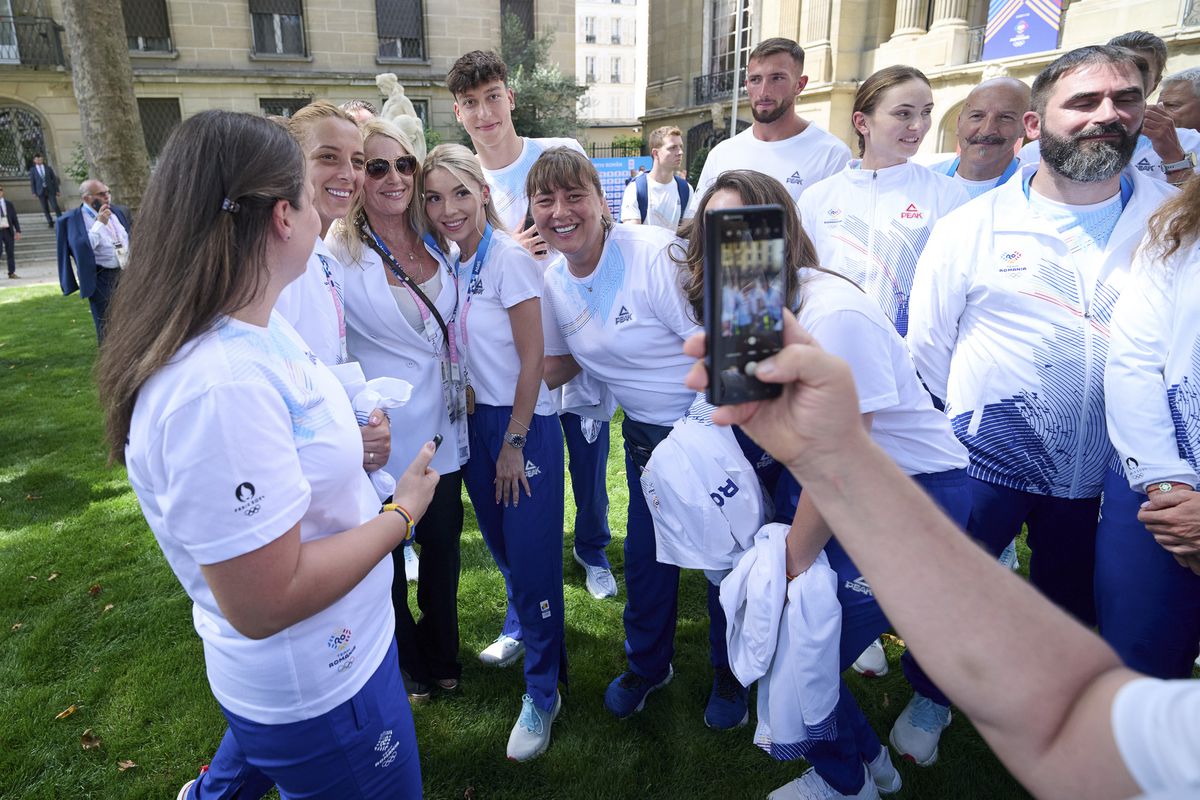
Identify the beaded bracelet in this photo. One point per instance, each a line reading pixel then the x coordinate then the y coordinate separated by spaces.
pixel 403 512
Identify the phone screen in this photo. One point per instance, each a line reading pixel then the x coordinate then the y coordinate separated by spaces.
pixel 744 284
pixel 97 205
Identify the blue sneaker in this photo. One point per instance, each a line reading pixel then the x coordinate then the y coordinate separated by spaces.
pixel 918 729
pixel 726 707
pixel 626 695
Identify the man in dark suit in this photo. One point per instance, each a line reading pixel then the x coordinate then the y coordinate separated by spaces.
pixel 10 232
pixel 43 182
pixel 96 237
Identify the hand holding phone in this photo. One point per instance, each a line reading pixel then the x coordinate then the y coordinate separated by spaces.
pixel 744 287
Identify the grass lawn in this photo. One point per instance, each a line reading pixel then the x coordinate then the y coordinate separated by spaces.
pixel 92 618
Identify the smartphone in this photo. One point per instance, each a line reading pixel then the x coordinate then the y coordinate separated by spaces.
pixel 97 205
pixel 744 286
pixel 437 441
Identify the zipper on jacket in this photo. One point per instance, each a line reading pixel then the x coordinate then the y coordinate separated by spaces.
pixel 1088 347
pixel 869 266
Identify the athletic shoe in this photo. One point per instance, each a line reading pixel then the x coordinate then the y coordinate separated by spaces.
pixel 451 685
pixel 918 728
pixel 531 735
pixel 727 707
pixel 418 692
pixel 187 787
pixel 412 565
pixel 873 661
pixel 626 695
pixel 600 581
pixel 811 786
pixel 884 773
pixel 502 652
pixel 1009 557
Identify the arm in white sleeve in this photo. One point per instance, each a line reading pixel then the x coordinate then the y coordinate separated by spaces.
pixel 936 303
pixel 630 214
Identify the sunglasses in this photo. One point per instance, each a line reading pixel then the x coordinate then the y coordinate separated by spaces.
pixel 377 168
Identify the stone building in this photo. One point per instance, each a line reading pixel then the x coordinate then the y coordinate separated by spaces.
pixel 259 56
pixel 695 49
pixel 610 59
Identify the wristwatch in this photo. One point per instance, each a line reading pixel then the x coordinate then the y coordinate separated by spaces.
pixel 1188 162
pixel 516 440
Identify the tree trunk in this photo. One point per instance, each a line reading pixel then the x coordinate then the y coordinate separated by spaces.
pixel 102 77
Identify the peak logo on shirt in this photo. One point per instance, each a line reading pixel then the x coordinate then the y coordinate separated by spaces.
pixel 1144 165
pixel 796 179
pixel 623 316
pixel 912 212
pixel 531 469
pixel 475 286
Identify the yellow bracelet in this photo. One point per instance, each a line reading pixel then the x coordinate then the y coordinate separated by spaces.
pixel 403 512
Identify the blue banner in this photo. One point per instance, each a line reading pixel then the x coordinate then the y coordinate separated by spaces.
pixel 1021 27
pixel 615 173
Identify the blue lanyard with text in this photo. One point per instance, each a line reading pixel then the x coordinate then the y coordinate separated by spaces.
pixel 1008 171
pixel 1126 188
pixel 476 267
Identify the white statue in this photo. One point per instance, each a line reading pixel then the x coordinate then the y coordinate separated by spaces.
pixel 399 110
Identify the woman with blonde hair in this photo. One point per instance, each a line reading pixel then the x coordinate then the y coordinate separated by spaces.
pixel 245 457
pixel 515 473
pixel 400 305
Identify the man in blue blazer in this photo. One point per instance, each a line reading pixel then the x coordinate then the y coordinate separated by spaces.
pixel 96 236
pixel 43 182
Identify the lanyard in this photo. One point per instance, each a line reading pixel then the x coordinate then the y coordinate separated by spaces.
pixel 419 300
pixel 335 291
pixel 1126 188
pixel 1008 171
pixel 473 286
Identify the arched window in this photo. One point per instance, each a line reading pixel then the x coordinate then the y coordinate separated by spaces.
pixel 20 138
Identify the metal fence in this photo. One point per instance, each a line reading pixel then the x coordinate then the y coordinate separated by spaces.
pixel 612 151
pixel 31 42
pixel 716 86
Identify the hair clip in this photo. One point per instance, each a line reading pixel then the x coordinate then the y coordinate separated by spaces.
pixel 230 206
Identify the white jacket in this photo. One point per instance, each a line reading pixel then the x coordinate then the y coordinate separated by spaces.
pixel 871 226
pixel 1152 383
pixel 1002 329
pixel 378 336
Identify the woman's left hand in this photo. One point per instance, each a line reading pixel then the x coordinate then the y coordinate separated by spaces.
pixel 1174 520
pixel 510 475
pixel 377 440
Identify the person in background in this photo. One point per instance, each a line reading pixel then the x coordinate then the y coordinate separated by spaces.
pixel 246 460
pixel 43 183
pixel 1180 97
pixel 988 128
pixel 400 302
pixel 95 238
pixel 658 197
pixel 10 233
pixel 362 111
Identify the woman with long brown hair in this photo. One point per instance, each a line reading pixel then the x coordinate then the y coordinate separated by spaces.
pixel 246 459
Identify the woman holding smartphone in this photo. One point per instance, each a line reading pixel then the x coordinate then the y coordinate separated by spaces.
pixel 620 315
pixel 515 474
pixel 902 420
pixel 246 459
pixel 400 303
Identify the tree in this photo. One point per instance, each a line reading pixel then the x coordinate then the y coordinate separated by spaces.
pixel 546 99
pixel 102 77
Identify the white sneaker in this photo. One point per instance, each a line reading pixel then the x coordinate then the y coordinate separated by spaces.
pixel 600 581
pixel 412 565
pixel 1009 557
pixel 884 773
pixel 873 661
pixel 918 729
pixel 531 735
pixel 183 793
pixel 811 786
pixel 502 652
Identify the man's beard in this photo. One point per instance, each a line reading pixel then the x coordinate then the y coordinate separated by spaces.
pixel 766 118
pixel 1088 162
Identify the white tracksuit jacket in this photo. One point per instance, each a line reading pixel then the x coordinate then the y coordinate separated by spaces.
pixel 871 226
pixel 1152 383
pixel 1013 334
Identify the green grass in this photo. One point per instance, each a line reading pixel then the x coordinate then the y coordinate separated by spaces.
pixel 136 672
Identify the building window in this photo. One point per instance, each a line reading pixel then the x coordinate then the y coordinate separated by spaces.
pixel 589 68
pixel 522 10
pixel 146 27
pixel 401 27
pixel 615 74
pixel 726 53
pixel 589 30
pixel 278 27
pixel 159 117
pixel 282 106
pixel 616 31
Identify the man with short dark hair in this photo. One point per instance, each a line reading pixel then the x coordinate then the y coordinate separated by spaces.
pixel 43 182
pixel 780 143
pixel 1010 310
pixel 10 233
pixel 988 128
pixel 95 236
pixel 658 197
pixel 362 110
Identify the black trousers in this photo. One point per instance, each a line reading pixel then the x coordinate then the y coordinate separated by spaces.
pixel 7 240
pixel 49 199
pixel 428 647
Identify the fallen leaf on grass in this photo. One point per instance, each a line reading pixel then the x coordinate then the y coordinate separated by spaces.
pixel 125 764
pixel 89 740
pixel 16 626
pixel 886 700
pixel 31 577
pixel 469 793
pixel 33 497
pixel 95 589
pixel 52 576
pixel 893 639
pixel 107 608
pixel 66 712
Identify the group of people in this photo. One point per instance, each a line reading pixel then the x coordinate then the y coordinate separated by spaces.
pixel 311 266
